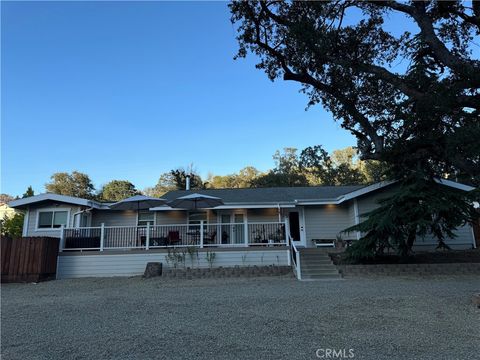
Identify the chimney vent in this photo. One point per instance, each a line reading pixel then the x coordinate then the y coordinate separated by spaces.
pixel 187 182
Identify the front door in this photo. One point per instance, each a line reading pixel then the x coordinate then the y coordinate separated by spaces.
pixel 238 229
pixel 226 232
pixel 232 228
pixel 297 227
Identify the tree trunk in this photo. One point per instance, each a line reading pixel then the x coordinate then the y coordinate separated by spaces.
pixel 412 235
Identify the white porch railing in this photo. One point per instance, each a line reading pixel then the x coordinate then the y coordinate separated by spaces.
pixel 295 254
pixel 104 238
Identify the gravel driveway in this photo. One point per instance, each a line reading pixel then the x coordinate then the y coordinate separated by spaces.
pixel 263 318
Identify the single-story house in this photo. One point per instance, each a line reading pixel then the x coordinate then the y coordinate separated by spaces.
pixel 254 226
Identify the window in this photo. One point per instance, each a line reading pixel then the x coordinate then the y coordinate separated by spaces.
pixel 52 219
pixel 194 217
pixel 83 220
pixel 145 218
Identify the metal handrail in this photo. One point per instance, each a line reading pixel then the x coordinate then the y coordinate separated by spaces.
pixel 296 259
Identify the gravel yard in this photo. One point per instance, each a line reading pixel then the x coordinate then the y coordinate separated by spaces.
pixel 255 318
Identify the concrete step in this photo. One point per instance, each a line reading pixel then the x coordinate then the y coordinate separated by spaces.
pixel 316 258
pixel 316 261
pixel 332 270
pixel 320 274
pixel 319 257
pixel 318 267
pixel 314 254
pixel 319 260
pixel 308 277
pixel 315 250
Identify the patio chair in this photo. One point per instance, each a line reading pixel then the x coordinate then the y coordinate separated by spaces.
pixel 159 241
pixel 173 237
pixel 154 241
pixel 210 238
pixel 225 237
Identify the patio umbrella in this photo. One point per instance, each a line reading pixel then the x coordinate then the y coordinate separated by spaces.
pixel 195 201
pixel 138 202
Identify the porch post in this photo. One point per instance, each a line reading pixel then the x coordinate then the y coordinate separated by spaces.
pixel 287 231
pixel 201 233
pixel 102 236
pixel 62 238
pixel 287 240
pixel 245 231
pixel 147 238
pixel 299 266
pixel 357 220
pixel 25 222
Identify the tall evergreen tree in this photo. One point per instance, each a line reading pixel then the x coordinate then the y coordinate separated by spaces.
pixel 29 192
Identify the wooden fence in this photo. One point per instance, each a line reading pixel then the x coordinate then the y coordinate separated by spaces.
pixel 29 259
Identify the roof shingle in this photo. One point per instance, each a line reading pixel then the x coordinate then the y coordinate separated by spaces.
pixel 270 195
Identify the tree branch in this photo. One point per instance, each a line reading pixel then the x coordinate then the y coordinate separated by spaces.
pixel 349 105
pixel 306 78
pixel 427 32
pixel 382 73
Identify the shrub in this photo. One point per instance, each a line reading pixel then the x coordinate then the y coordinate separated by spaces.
pixel 12 226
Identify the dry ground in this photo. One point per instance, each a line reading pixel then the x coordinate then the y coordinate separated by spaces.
pixel 262 318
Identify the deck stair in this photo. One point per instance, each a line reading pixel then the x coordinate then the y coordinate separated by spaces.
pixel 316 265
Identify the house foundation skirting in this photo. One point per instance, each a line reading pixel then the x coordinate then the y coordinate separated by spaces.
pixel 95 264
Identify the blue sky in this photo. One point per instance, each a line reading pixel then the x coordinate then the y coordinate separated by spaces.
pixel 131 90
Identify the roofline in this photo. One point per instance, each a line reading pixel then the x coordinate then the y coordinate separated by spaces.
pixel 272 205
pixel 318 202
pixel 367 189
pixel 348 196
pixel 455 185
pixel 374 187
pixel 24 202
pixel 260 188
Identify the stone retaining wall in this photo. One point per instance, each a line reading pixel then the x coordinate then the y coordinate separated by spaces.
pixel 411 269
pixel 228 272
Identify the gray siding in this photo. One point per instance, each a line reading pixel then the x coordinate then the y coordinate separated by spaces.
pixel 171 217
pixel 464 234
pixel 181 217
pixel 33 214
pixel 464 239
pixel 75 266
pixel 327 221
pixel 369 202
pixel 129 218
pixel 351 212
pixel 114 218
pixel 262 215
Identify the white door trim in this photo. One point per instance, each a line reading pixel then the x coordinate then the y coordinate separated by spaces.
pixel 301 223
pixel 303 231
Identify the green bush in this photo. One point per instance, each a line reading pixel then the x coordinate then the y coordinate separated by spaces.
pixel 12 226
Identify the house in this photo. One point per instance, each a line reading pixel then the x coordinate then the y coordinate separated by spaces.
pixel 254 226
